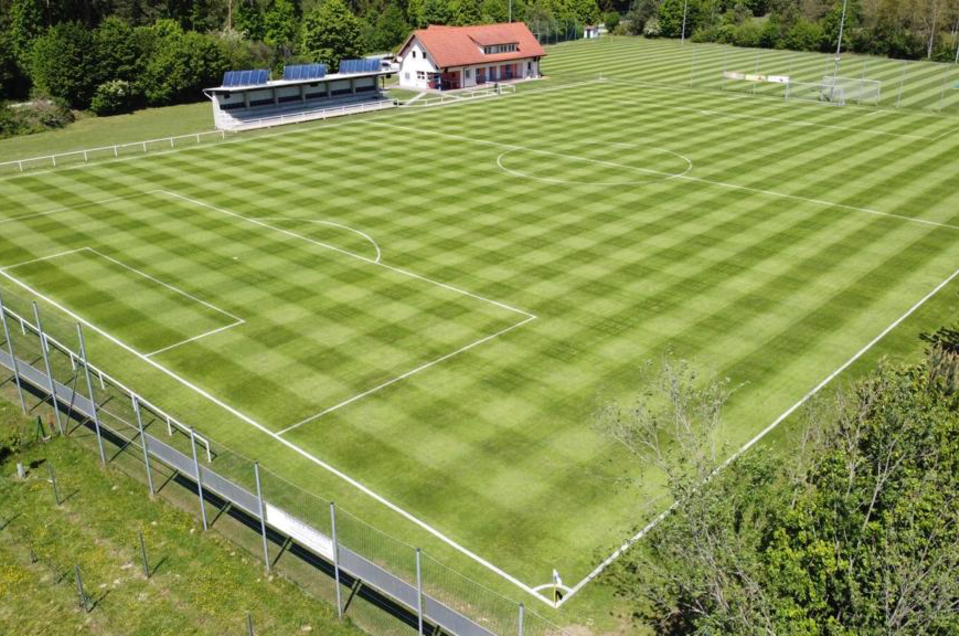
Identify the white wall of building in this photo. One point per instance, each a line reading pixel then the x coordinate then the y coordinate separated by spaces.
pixel 416 66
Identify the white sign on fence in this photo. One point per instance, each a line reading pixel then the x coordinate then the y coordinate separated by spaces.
pixel 300 532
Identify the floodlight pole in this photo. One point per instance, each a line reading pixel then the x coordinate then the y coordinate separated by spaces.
pixel 683 34
pixel 46 364
pixel 957 50
pixel 842 28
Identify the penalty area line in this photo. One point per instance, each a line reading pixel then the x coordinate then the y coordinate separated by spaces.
pixel 755 440
pixel 278 438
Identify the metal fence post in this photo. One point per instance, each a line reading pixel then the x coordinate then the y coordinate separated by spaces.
pixel 336 560
pixel 46 365
pixel 259 499
pixel 419 590
pixel 902 81
pixel 942 90
pixel 199 477
pixel 93 399
pixel 522 619
pixel 143 555
pixel 143 443
pixel 83 599
pixel 13 357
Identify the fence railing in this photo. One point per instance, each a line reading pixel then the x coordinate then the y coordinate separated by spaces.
pixel 348 556
pixel 325 113
pixel 461 95
pixel 110 152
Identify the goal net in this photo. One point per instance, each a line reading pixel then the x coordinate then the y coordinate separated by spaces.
pixel 812 92
pixel 850 89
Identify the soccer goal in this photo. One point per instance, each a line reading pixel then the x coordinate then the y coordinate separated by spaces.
pixel 813 92
pixel 851 89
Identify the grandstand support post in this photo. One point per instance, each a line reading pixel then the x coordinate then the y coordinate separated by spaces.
pixel 143 443
pixel 262 512
pixel 683 33
pixel 902 82
pixel 522 619
pixel 199 478
pixel 336 560
pixel 93 399
pixel 46 365
pixel 13 358
pixel 419 590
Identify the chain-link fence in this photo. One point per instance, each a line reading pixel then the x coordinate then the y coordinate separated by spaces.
pixel 383 584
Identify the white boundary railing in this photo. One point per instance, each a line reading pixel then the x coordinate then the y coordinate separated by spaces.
pixel 295 118
pixel 116 150
pixel 458 96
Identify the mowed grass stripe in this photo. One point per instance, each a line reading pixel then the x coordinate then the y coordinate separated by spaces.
pixel 495 447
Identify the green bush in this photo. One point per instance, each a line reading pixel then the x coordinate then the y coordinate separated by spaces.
pixel 113 97
pixel 62 63
pixel 33 117
pixel 612 21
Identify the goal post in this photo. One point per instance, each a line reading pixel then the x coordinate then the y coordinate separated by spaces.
pixel 815 92
pixel 854 89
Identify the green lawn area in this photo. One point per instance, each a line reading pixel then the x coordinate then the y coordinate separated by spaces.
pixel 434 302
pixel 199 584
pixel 94 132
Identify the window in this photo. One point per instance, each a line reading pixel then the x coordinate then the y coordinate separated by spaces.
pixel 529 66
pixel 407 74
pixel 500 48
pixel 421 75
pixel 468 73
pixel 414 53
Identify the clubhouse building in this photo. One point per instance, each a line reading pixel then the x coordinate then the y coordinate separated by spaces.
pixel 449 58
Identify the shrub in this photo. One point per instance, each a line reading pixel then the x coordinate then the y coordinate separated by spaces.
pixel 114 97
pixel 651 28
pixel 612 21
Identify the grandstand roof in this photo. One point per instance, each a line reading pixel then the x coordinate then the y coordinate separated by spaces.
pixel 463 46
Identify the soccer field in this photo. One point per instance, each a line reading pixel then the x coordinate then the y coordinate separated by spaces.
pixel 417 313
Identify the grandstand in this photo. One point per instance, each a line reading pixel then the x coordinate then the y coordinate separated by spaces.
pixel 250 99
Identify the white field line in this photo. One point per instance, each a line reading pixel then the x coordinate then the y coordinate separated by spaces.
pixel 775 423
pixel 211 332
pixel 409 373
pixel 59 210
pixel 682 177
pixel 43 258
pixel 293 130
pixel 365 259
pixel 236 320
pixel 249 420
pixel 364 235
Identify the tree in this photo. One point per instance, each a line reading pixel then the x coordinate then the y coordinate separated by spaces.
pixel 671 17
pixel 585 11
pixel 494 11
pixel 853 530
pixel 117 52
pixel 466 12
pixel 331 33
pixel 280 26
pixel 27 22
pixel 8 65
pixel 62 63
pixel 436 12
pixel 391 28
pixel 416 13
pixel 181 65
pixel 248 19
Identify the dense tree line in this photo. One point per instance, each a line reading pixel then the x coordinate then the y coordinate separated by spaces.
pixel 908 29
pixel 116 55
pixel 854 530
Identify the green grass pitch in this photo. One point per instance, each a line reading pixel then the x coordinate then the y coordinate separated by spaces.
pixel 434 301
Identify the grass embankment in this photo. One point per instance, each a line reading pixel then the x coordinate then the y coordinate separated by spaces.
pixel 94 132
pixel 200 583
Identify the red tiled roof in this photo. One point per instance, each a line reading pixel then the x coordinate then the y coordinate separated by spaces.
pixel 460 46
